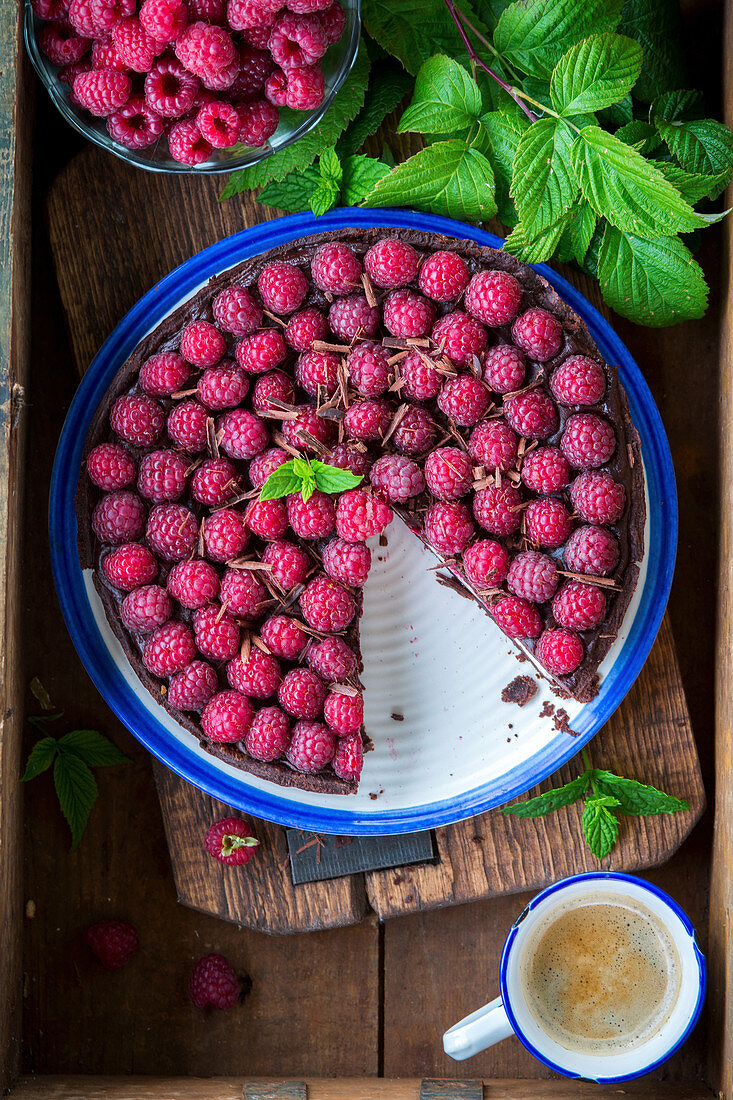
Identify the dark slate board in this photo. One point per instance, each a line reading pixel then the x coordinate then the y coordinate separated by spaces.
pixel 314 858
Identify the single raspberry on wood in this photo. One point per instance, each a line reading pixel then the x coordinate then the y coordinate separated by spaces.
pixel 547 523
pixel 486 563
pixel 504 367
pixel 164 374
pixel 236 311
pixel 369 369
pixel 444 276
pixel 517 617
pixel 311 747
pixel 270 388
pixel 316 370
pixel 231 841
pixel 284 636
pixel 289 564
pixel 110 466
pixel 494 445
pixel 305 327
pixel 314 518
pixel 352 316
pixel 193 583
pixel 169 648
pixel 546 470
pixel 258 676
pixel 448 473
pixel 533 576
pixel 302 693
pixel 243 593
pixel 538 333
pixel 415 433
pixel 598 497
pixel 226 535
pixel 113 942
pixel 186 143
pixel 332 659
pixel 213 982
pixel 464 399
pixel 217 634
pixel 396 478
pixel 531 414
pixel 349 757
pixel 227 717
pixel 592 550
pixel 348 562
pixel 102 92
pixel 493 297
pixel 579 606
pixel 171 531
pixel 214 482
pixel 265 464
pixel 193 686
pixel 327 605
pixel 360 515
pixel 448 527
pixel 420 380
pixel 135 125
pixel 146 608
pixel 137 419
pixel 336 268
pixel 344 713
pixel 498 509
pixel 350 456
pixel 307 430
pixel 130 566
pixel 268 735
pixel 243 433
pixel 162 476
pixel 267 518
pixel 282 287
pixel 459 336
pixel 119 517
pixel 368 419
pixel 391 263
pixel 261 351
pixel 588 441
pixel 578 381
pixel 560 651
pixel 408 314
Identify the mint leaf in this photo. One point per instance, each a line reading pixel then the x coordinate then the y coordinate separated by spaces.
pixel 330 168
pixel 41 756
pixel 303 152
pixel 93 748
pixel 77 792
pixel 332 479
pixel 534 34
pixel 636 798
pixel 446 99
pixel 551 800
pixel 655 24
pixel 623 187
pixel 543 180
pixel 324 197
pixel 652 282
pixel 600 824
pixel 534 247
pixel 673 106
pixel 361 175
pixel 700 145
pixel 597 72
pixel 414 30
pixel 293 193
pixel 447 178
pixel 281 483
pixel 388 85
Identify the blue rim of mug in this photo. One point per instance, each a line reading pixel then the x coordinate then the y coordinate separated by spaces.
pixel 617 876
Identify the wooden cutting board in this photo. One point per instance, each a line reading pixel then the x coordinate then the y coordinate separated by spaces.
pixel 115 231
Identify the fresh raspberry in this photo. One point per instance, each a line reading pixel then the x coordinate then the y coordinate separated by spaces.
pixel 146 608
pixel 258 121
pixel 187 426
pixel 258 37
pixel 420 381
pixel 579 606
pixel 314 518
pixel 169 648
pixel 391 263
pixel 518 618
pixel 61 44
pixel 592 550
pixel 486 563
pixel 213 982
pixel 243 434
pixel 349 757
pixel 348 562
pixel 368 419
pixel 350 456
pixel 102 92
pixel 503 368
pixel 352 316
pixel 119 517
pixel 271 388
pixel 223 387
pixel 344 714
pixel 137 419
pixel 193 686
pixel 163 375
pixel 236 311
pixel 207 11
pixel 448 473
pixel 494 445
pixel 304 328
pixel 560 651
pixel 244 14
pixel 538 333
pixel 396 478
pixel 360 514
pixel 217 635
pixel 259 676
pixel 415 433
pixel 311 747
pixel 163 19
pixel 336 268
pixel 108 13
pixel 69 73
pixel 282 287
pixel 202 344
pixel 407 314
pixel 52 10
pixel 193 583
pixel 171 531
pixel 170 89
pixel 267 518
pixel 547 523
pixel 493 297
pixel 186 143
pixel 268 735
pixel 226 535
pixel 444 276
pixel 296 41
pixel 307 427
pixel 533 576
pixel 243 593
pixel 302 693
pixel 333 22
pixel 327 605
pixel 231 841
pixel 206 51
pixel 227 717
pixel 578 381
pixel 254 68
pixel 546 470
pixel 459 336
pixel 305 7
pixel 448 527
pixel 332 659
pixel 276 86
pixel 531 414
pixel 214 482
pixel 588 441
pixel 369 369
pixel 130 566
pixel 305 88
pixel 284 636
pixel 316 370
pixel 264 464
pixel 598 498
pixel 80 16
pixel 162 476
pixel 498 509
pixel 134 45
pixel 114 942
pixel 464 399
pixel 110 466
pixel 105 56
pixel 290 565
pixel 219 124
pixel 136 125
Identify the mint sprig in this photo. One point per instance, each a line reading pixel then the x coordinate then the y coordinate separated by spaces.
pixel 606 796
pixel 304 476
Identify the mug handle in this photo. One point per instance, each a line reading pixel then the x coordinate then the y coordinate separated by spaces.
pixel 483 1028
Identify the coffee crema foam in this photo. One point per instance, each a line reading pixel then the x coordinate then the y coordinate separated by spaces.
pixel 601 974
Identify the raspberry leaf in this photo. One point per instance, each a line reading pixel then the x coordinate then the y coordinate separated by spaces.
pixel 681 104
pixel 332 479
pixel 41 757
pixel 651 282
pixel 596 73
pixel 330 168
pixel 655 24
pixel 535 247
pixel 77 792
pixel 551 800
pixel 414 30
pixel 637 799
pixel 641 135
pixel 534 34
pixel 92 747
pixel 544 185
pixel 600 824
pixel 445 100
pixel 700 145
pixel 448 178
pixel 361 175
pixel 388 84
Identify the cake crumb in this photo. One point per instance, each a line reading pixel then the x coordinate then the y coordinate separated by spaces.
pixel 561 722
pixel 548 709
pixel 520 690
pixel 397 717
pixel 373 796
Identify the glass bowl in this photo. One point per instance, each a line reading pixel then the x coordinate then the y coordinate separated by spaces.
pixel 336 64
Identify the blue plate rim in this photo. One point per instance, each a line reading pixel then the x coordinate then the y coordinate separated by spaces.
pixel 237 791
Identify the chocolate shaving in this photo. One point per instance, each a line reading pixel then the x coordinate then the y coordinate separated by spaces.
pixel 323 345
pixel 246 647
pixel 343 382
pixel 397 357
pixel 369 294
pixel 281 441
pixel 475 366
pixel 184 393
pixel 249 495
pixel 396 421
pixel 211 437
pixel 249 565
pixel 409 342
pixel 602 582
pixel 344 689
pixel 257 641
pixel 275 318
pixel 278 414
pixel 537 381
pixel 221 612
pixel 313 443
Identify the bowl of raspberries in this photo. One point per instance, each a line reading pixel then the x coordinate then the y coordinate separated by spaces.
pixel 192 85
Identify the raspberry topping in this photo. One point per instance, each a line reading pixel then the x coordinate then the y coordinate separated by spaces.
pixel 216 633
pixel 214 482
pixel 368 419
pixel 531 414
pixel 493 297
pixel 311 519
pixel 302 693
pixel 448 527
pixel 391 263
pixel 538 333
pixel 316 370
pixel 193 686
pixel 146 608
pixel 243 435
pixel 369 369
pixel 130 566
pixel 261 351
pixel 284 637
pixel 258 676
pixel 588 441
pixel 227 717
pixel 242 593
pixel 360 514
pixel 332 659
pixel 396 478
pixel 592 550
pixel 171 531
pixel 327 605
pixel 162 476
pixel 193 583
pixel 578 381
pixel 421 381
pixel 290 565
pixel 336 268
pixel 268 735
pixel 464 399
pixel 517 617
pixel 162 375
pixel 546 470
pixel 304 328
pixel 282 287
pixel 448 473
pixel 226 535
pixel 415 433
pixel 460 336
pixel 560 651
pixel 110 466
pixel 311 747
pixel 498 509
pixel 444 276
pixel 352 316
pixel 119 517
pixel 407 314
pixel 236 311
pixel 598 498
pixel 486 563
pixel 533 576
pixel 579 606
pixel 504 368
pixel 494 445
pixel 344 713
pixel 137 419
pixel 348 562
pixel 169 648
pixel 349 758
pixel 547 523
pixel 267 518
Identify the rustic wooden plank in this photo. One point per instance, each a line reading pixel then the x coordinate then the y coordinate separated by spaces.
pixel 275 1090
pixel 433 1089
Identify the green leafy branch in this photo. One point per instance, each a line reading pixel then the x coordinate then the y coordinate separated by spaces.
pixel 606 796
pixel 304 476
